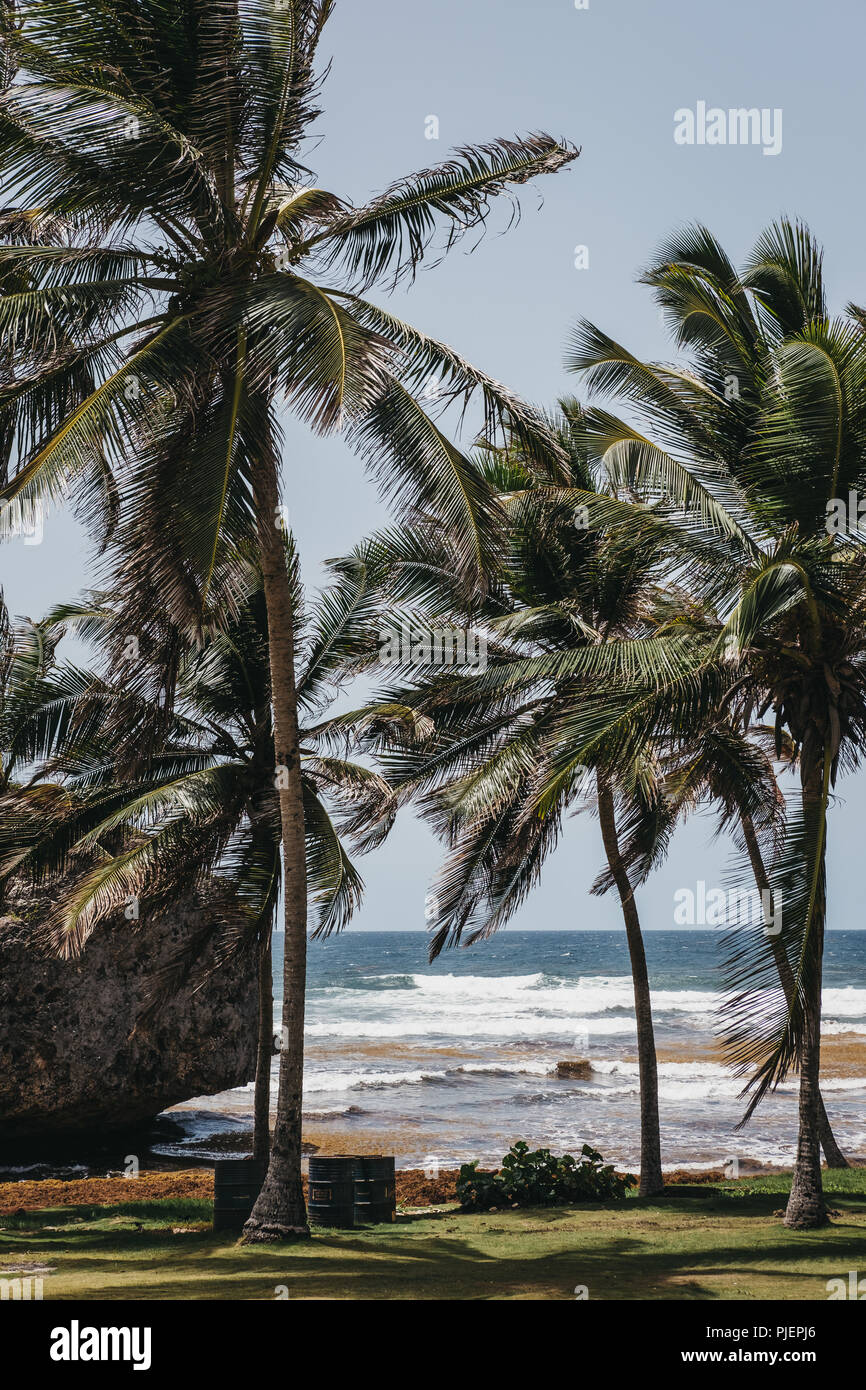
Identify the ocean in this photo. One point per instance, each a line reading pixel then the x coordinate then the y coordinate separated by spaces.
pixel 457 1060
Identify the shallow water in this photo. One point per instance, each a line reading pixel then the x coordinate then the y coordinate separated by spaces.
pixel 457 1060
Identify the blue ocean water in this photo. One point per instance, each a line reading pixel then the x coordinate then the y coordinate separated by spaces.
pixel 458 1059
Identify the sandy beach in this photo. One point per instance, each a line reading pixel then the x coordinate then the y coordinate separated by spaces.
pixel 842 1055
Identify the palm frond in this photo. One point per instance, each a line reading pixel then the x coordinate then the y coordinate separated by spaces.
pixel 395 230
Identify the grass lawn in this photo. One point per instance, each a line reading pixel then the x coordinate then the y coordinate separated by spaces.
pixel 718 1241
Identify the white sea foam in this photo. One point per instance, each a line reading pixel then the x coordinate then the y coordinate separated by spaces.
pixel 366 1080
pixel 703 1081
pixel 677 1080
pixel 590 994
pixel 457 986
pixel 505 1069
pixel 676 1070
pixel 849 1002
pixel 337 1112
pixel 527 1006
pixel 515 1027
pixel 522 1007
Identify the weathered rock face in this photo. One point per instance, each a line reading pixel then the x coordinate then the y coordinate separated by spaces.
pixel 70 1062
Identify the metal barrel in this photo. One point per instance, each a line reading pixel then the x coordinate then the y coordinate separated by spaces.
pixel 375 1190
pixel 237 1183
pixel 332 1190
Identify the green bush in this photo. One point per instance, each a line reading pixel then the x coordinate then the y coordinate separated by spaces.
pixel 540 1179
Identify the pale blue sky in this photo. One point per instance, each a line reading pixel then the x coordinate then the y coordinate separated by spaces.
pixel 609 78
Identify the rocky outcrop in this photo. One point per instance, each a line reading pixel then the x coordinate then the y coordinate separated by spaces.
pixel 580 1069
pixel 75 1059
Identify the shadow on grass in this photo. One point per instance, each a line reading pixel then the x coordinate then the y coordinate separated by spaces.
pixel 444 1268
pixel 652 1248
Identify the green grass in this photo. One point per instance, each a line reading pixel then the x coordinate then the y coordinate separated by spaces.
pixel 708 1242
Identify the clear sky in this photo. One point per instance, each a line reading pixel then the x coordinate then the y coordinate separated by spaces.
pixel 609 78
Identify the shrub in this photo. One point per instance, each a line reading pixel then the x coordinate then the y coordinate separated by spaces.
pixel 540 1179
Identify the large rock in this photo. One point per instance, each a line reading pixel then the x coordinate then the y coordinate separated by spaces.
pixel 73 1061
pixel 578 1069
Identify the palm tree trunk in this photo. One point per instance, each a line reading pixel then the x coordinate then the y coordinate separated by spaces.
pixel 806 1208
pixel 651 1179
pixel 264 1056
pixel 833 1154
pixel 280 1212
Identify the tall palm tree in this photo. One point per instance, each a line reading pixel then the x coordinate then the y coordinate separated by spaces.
pixel 218 284
pixel 752 439
pixel 159 802
pixel 734 774
pixel 488 778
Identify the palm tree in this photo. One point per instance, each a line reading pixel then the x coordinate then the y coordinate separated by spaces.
pixel 26 663
pixel 158 803
pixel 752 441
pixel 217 283
pixel 735 774
pixel 489 778
pixel 26 657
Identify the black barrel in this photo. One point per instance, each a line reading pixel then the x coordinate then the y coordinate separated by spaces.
pixel 237 1183
pixel 375 1190
pixel 332 1190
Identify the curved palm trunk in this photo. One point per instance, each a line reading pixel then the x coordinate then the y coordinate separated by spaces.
pixel 264 1056
pixel 833 1154
pixel 651 1179
pixel 806 1208
pixel 280 1212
